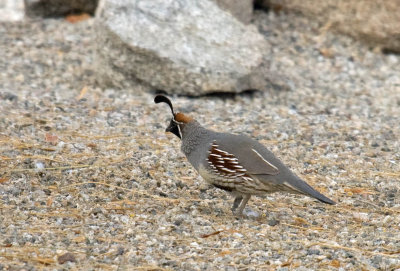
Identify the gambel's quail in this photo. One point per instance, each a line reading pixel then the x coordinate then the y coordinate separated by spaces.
pixel 235 163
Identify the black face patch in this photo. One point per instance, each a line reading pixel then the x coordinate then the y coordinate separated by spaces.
pixel 173 127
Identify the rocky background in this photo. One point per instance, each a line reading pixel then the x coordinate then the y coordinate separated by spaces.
pixel 90 181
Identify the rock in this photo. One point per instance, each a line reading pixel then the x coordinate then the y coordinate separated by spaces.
pixel 241 9
pixel 375 22
pixel 250 213
pixel 376 261
pixel 55 8
pixel 188 47
pixel 273 222
pixel 67 257
pixel 8 96
pixel 11 10
pixel 313 252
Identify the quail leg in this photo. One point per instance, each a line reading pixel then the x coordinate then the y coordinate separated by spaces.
pixel 236 203
pixel 239 212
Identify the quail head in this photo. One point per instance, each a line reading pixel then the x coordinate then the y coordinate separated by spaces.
pixel 235 163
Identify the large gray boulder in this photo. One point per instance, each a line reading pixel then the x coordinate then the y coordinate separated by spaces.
pixel 182 46
pixel 371 21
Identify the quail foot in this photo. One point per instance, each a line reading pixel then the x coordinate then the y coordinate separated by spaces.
pixel 235 163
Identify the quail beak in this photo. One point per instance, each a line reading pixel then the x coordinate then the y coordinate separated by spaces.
pixel 173 127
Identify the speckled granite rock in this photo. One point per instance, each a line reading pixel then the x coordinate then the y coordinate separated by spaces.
pixel 374 22
pixel 186 47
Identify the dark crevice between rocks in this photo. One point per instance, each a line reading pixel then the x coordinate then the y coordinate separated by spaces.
pixel 390 51
pixel 214 94
pixel 228 95
pixel 60 8
pixel 266 6
pixel 260 5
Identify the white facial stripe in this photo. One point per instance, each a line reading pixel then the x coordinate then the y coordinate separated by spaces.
pixel 264 159
pixel 177 122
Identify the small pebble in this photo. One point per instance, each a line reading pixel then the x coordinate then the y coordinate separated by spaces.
pixel 67 257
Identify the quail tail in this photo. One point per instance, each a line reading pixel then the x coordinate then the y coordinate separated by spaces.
pixel 308 190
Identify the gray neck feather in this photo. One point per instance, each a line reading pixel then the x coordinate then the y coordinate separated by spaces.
pixel 192 133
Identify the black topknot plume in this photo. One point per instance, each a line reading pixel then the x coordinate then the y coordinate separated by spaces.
pixel 163 99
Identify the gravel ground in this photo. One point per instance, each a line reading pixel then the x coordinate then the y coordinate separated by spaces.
pixel 89 180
